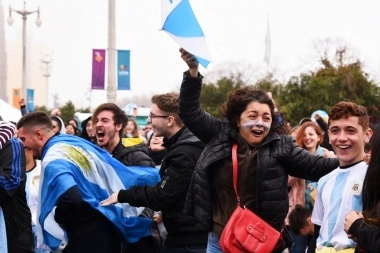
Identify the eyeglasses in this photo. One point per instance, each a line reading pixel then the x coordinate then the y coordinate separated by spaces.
pixel 152 116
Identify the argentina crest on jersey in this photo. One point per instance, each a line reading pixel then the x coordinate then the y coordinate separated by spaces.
pixel 356 187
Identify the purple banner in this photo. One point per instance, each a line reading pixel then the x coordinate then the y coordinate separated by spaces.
pixel 98 69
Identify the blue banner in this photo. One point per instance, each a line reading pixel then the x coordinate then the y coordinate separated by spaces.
pixel 123 70
pixel 30 100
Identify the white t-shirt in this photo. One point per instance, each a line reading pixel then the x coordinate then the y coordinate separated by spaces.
pixel 339 192
pixel 32 187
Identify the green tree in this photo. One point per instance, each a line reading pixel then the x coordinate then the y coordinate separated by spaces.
pixel 67 111
pixel 270 85
pixel 42 109
pixel 309 92
pixel 86 110
pixel 214 95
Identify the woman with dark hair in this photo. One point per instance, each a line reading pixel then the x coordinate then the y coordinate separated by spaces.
pixel 88 133
pixel 71 129
pixel 131 130
pixel 58 126
pixel 131 135
pixel 265 157
pixel 364 228
pixel 75 124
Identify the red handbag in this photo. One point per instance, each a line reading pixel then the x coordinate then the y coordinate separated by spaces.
pixel 246 232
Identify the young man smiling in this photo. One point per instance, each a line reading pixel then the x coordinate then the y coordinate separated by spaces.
pixel 109 121
pixel 339 192
pixel 185 233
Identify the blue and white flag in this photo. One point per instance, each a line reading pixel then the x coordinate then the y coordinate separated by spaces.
pixel 179 21
pixel 68 161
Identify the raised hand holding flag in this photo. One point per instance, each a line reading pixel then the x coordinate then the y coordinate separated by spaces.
pixel 179 21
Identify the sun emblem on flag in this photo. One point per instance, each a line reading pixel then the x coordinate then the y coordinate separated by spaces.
pixel 79 157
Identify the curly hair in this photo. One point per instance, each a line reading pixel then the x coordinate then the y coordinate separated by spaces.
pixel 298 218
pixel 345 110
pixel 238 101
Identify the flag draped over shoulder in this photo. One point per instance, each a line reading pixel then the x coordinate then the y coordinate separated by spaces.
pixel 68 161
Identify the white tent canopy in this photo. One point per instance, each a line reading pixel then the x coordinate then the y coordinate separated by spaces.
pixel 8 112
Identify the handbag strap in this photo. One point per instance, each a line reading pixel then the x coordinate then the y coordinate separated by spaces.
pixel 235 171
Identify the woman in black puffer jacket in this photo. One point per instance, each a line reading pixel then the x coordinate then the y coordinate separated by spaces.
pixel 265 157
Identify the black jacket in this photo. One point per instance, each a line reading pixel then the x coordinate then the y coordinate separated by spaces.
pixel 136 155
pixel 368 236
pixel 278 156
pixel 18 220
pixel 169 194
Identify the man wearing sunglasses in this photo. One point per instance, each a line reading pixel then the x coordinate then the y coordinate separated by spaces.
pixel 185 233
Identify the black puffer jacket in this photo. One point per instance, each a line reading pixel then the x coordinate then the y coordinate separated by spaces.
pixel 169 194
pixel 136 155
pixel 278 156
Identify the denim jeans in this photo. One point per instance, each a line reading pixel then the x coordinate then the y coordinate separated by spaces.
pixel 300 243
pixel 184 249
pixel 213 245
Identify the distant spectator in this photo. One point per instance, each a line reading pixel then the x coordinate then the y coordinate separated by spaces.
pixel 88 133
pixel 71 129
pixel 75 123
pixel 148 130
pixel 323 125
pixel 58 125
pixel 131 135
pixel 156 149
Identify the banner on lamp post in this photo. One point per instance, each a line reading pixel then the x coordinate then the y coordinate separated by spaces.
pixel 98 69
pixel 30 100
pixel 123 70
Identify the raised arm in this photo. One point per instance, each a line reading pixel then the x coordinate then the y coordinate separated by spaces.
pixel 199 122
pixel 302 164
pixel 23 108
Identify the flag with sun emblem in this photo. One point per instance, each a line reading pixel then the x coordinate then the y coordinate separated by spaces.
pixel 69 161
pixel 123 71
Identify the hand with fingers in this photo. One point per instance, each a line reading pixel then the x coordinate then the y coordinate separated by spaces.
pixel 190 61
pixel 350 218
pixel 111 200
pixel 21 102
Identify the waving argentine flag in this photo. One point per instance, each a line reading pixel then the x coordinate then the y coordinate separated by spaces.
pixel 179 21
pixel 68 161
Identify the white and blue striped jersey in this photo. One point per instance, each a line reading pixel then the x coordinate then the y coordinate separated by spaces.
pixel 339 192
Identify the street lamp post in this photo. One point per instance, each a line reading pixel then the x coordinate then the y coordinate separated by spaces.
pixel 46 61
pixel 24 13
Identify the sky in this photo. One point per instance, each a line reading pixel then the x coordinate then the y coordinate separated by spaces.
pixel 235 33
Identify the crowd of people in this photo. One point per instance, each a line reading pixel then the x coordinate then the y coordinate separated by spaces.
pixel 169 188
